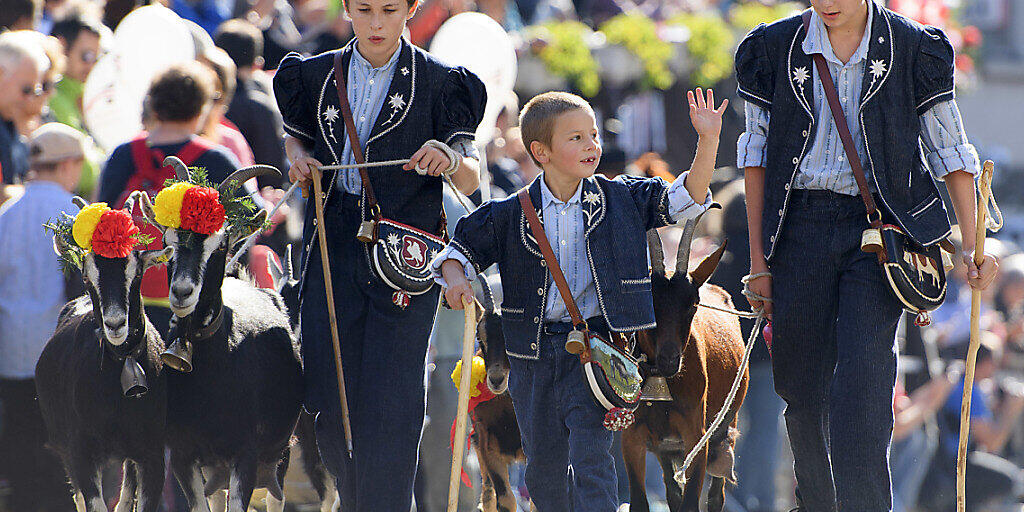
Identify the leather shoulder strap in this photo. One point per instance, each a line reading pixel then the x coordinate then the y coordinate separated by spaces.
pixel 549 256
pixel 350 130
pixel 832 96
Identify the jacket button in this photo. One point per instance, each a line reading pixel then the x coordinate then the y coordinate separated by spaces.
pixel 314 222
pixel 787 186
pixel 540 291
pixel 536 319
pixel 543 263
pixel 780 212
pixel 805 133
pixel 773 238
pixel 533 346
pixel 796 160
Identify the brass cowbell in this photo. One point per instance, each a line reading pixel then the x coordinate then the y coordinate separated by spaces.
pixel 133 378
pixel 178 356
pixel 574 342
pixel 655 389
pixel 366 230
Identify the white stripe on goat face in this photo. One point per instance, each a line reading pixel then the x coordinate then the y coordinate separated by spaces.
pixel 113 305
pixel 187 283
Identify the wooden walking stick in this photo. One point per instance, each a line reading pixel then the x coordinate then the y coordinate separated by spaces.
pixel 462 412
pixel 985 191
pixel 329 287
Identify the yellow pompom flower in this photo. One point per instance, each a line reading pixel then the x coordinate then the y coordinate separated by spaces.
pixel 479 371
pixel 85 224
pixel 167 204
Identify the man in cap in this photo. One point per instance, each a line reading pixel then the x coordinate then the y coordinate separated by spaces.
pixel 32 292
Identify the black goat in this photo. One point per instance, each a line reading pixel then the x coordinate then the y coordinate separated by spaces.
pixel 286 283
pixel 231 418
pixel 101 385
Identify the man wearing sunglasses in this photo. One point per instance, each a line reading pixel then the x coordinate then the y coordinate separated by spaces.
pixel 81 37
pixel 22 64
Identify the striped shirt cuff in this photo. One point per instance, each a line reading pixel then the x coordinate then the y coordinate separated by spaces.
pixel 750 150
pixel 450 253
pixel 681 206
pixel 943 161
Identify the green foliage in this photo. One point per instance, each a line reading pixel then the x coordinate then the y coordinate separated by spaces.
pixel 567 54
pixel 69 254
pixel 747 15
pixel 710 47
pixel 639 34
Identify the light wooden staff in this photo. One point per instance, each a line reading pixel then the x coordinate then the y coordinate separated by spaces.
pixel 459 448
pixel 329 287
pixel 985 191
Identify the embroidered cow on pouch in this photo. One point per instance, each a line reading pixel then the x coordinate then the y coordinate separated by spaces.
pixel 923 265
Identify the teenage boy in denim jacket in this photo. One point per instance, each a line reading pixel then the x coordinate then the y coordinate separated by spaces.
pixel 597 228
pixel 834 315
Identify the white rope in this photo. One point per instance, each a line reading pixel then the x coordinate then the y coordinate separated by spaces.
pixel 251 239
pixel 385 163
pixel 680 474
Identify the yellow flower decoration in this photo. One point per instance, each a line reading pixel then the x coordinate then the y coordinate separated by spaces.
pixel 479 371
pixel 167 204
pixel 85 224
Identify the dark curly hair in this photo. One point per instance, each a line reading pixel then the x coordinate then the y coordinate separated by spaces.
pixel 181 92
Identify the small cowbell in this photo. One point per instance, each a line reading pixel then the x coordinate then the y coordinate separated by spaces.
pixel 133 379
pixel 655 390
pixel 574 342
pixel 366 230
pixel 178 356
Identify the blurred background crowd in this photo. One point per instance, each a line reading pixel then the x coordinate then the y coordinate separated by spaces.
pixel 634 59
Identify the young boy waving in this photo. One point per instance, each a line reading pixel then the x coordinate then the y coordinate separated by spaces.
pixel 834 314
pixel 597 229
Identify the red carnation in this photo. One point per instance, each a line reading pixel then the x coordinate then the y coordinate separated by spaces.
pixel 114 236
pixel 201 210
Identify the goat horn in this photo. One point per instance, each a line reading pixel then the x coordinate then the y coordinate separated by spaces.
pixel 683 253
pixel 244 174
pixel 79 202
pixel 488 296
pixel 180 170
pixel 657 253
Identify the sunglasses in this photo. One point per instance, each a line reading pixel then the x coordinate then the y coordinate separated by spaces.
pixel 39 89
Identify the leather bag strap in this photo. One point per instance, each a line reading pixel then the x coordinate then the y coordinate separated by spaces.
pixel 549 257
pixel 353 138
pixel 874 217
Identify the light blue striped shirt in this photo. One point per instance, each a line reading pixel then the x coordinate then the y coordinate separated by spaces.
pixel 31 283
pixel 825 166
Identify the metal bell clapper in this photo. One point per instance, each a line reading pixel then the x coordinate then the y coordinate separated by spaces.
pixel 655 390
pixel 366 230
pixel 133 378
pixel 178 356
pixel 574 342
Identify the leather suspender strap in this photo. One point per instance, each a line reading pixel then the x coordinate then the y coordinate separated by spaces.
pixel 549 257
pixel 874 217
pixel 353 138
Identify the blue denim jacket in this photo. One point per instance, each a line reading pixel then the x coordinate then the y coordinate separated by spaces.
pixel 912 71
pixel 617 214
pixel 432 100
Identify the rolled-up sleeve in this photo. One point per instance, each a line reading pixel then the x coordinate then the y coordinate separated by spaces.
pixel 750 147
pixel 945 141
pixel 681 206
pixel 450 253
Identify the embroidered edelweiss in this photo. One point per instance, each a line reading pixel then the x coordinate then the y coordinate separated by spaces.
pixel 591 198
pixel 396 101
pixel 393 241
pixel 877 68
pixel 800 75
pixel 405 71
pixel 330 116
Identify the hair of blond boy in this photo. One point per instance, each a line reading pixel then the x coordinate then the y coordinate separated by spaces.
pixel 537 120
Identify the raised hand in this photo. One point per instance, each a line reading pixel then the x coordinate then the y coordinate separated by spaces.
pixel 706 119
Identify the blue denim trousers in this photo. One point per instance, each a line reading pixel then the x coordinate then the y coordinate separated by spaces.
pixel 383 353
pixel 834 354
pixel 562 425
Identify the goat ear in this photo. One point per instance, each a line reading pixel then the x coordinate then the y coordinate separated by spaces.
pixel 251 226
pixel 276 272
pixel 154 257
pixel 707 266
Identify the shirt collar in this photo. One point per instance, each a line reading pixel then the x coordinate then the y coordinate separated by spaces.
pixel 361 61
pixel 548 197
pixel 817 39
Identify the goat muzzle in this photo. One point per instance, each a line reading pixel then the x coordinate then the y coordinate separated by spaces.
pixel 655 390
pixel 133 378
pixel 178 355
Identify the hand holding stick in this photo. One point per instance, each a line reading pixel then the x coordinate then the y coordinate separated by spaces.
pixel 985 191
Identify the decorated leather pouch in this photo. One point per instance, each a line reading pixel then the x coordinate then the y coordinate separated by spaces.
pixel 399 254
pixel 612 374
pixel 916 273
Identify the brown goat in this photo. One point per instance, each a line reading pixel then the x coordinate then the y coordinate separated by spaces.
pixel 700 351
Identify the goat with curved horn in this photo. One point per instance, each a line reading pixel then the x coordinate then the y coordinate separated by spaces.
pixel 180 169
pixel 683 254
pixel 246 173
pixel 79 202
pixel 657 252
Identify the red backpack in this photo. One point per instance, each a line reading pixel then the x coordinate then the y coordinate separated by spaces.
pixel 149 177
